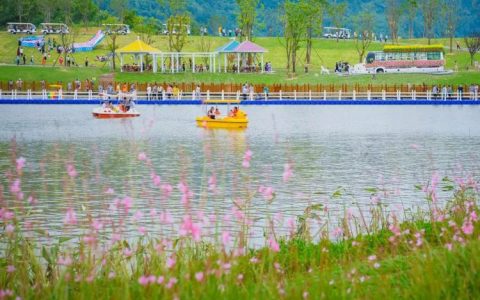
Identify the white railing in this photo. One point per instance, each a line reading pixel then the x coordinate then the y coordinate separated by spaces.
pixel 295 95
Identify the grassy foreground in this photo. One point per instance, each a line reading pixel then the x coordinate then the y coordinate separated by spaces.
pixel 430 255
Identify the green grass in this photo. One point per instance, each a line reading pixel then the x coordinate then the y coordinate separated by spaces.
pixel 325 53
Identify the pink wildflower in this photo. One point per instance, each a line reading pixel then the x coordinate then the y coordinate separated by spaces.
pixel 9 229
pixel 20 163
pixel 372 257
pixel 96 225
pixel 199 276
pixel 142 230
pixel 273 244
pixel 225 238
pixel 467 228
pixel 10 268
pixel 305 295
pixel 337 232
pixel 449 246
pixel 70 217
pixel 267 192
pixel 109 191
pixel 160 279
pixel 376 265
pixel 170 262
pixel 287 172
pixel 71 171
pixel 127 252
pixel 165 218
pixel 157 180
pixel 167 190
pixel 127 203
pixel 15 187
pixel 171 282
pixel 143 280
pixel 142 156
pixel 212 183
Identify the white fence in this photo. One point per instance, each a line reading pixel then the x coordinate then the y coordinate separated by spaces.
pixel 340 95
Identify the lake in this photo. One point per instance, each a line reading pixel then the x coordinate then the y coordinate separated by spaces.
pixel 335 152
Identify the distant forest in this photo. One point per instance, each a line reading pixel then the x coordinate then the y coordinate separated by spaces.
pixel 214 13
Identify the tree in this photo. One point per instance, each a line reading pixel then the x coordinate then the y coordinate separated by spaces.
pixel 430 10
pixel 294 28
pixel 112 41
pixel 47 8
pixel 119 7
pixel 393 12
pixel 411 7
pixel 86 10
pixel 473 45
pixel 246 16
pixel 313 20
pixel 177 27
pixel 336 12
pixel 23 9
pixel 364 23
pixel 451 17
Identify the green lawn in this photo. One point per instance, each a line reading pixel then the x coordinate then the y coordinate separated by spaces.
pixel 325 53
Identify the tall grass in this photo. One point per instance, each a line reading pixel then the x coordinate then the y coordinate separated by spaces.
pixel 372 253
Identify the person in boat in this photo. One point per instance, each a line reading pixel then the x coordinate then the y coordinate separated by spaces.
pixel 235 111
pixel 211 113
pixel 128 103
pixel 217 112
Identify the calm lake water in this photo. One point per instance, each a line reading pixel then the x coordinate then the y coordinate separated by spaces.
pixel 352 147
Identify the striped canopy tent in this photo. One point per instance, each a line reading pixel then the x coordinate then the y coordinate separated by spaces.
pixel 225 50
pixel 139 50
pixel 247 57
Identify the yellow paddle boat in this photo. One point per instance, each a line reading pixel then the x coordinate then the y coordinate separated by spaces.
pixel 213 118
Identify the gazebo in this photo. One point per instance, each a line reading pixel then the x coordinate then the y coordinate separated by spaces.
pixel 139 49
pixel 226 49
pixel 246 49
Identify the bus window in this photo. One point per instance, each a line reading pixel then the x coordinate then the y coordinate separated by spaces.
pixel 370 57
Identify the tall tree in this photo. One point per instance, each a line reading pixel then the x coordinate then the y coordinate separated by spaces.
pixel 23 8
pixel 411 7
pixel 336 11
pixel 473 45
pixel 177 27
pixel 246 16
pixel 364 23
pixel 47 9
pixel 294 28
pixel 393 11
pixel 86 10
pixel 430 10
pixel 119 7
pixel 314 21
pixel 451 17
pixel 112 45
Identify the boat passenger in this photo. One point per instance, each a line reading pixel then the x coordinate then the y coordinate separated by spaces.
pixel 128 104
pixel 217 112
pixel 235 111
pixel 211 113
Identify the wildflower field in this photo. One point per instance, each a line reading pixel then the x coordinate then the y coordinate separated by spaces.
pixel 371 253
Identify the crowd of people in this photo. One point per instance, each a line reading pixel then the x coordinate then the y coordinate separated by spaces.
pixel 229 32
pixel 446 91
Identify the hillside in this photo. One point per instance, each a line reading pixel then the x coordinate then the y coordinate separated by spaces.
pixel 213 13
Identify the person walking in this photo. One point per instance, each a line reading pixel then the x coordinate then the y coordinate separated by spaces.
pixel 86 61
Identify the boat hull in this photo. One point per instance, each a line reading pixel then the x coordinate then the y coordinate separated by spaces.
pixel 227 123
pixel 105 114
